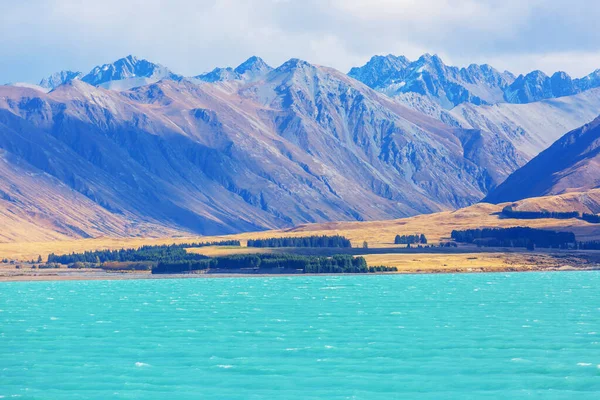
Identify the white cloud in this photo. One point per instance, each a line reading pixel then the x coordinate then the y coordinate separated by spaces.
pixel 191 36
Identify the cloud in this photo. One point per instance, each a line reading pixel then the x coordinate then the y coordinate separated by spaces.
pixel 192 36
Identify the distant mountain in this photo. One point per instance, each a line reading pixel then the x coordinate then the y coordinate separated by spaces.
pixel 429 76
pixel 537 86
pixel 250 70
pixel 531 127
pixel 127 73
pixel 572 164
pixel 380 70
pixel 59 78
pixel 477 84
pixel 302 144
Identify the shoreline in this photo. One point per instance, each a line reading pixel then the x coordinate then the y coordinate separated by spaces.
pixel 116 276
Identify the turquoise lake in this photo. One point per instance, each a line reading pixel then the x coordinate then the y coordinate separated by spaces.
pixel 470 336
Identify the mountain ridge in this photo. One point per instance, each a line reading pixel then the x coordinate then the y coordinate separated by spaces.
pixel 571 164
pixel 260 147
pixel 302 144
pixel 476 84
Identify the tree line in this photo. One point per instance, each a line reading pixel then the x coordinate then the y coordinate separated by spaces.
pixel 305 241
pixel 410 239
pixel 508 212
pixel 515 237
pixel 593 245
pixel 173 252
pixel 591 218
pixel 270 262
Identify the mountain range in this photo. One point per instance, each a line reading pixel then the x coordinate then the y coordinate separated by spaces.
pixel 132 148
pixel 450 86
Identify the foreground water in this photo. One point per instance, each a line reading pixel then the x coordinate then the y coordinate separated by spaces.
pixel 496 336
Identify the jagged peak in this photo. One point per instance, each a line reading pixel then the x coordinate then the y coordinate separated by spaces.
pixel 536 74
pixel 59 78
pixel 294 64
pixel 389 57
pixel 128 67
pixel 247 71
pixel 253 63
pixel 131 58
pixel 218 74
pixel 430 58
pixel 561 75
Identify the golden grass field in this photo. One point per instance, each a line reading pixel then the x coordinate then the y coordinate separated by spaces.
pixel 379 235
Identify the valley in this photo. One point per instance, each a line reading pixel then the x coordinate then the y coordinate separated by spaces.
pixel 132 154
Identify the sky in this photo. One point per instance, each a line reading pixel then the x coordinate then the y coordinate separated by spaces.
pixel 39 37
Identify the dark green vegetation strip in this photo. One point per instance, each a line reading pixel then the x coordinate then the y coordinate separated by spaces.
pixel 272 263
pixel 508 212
pixel 145 253
pixel 306 241
pixel 410 239
pixel 515 237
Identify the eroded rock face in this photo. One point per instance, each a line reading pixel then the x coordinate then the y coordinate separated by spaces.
pixel 292 145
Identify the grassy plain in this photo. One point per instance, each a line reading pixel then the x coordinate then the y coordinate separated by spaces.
pixel 380 235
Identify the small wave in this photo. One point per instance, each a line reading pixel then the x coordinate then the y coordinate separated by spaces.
pixel 54 318
pixel 141 364
pixel 584 364
pixel 225 366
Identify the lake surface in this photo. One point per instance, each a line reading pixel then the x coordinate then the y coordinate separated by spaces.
pixel 479 336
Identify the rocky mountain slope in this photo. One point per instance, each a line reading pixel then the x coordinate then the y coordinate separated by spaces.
pixel 572 164
pixel 531 127
pixel 292 145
